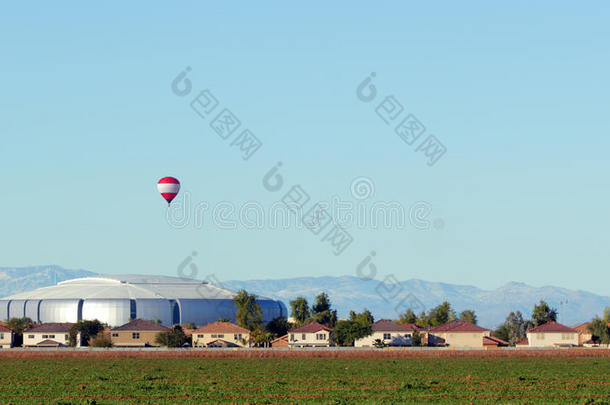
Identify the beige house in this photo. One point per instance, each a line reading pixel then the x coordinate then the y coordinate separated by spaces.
pixel 458 334
pixel 48 335
pixel 6 337
pixel 312 334
pixel 137 333
pixel 584 334
pixel 387 333
pixel 552 334
pixel 221 334
pixel 492 342
pixel 280 342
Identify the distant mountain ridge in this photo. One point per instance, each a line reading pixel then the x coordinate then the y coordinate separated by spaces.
pixel 351 293
pixel 491 306
pixel 14 280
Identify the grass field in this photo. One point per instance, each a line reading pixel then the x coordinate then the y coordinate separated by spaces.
pixel 305 380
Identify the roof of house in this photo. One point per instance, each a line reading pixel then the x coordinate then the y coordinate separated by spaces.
pixel 280 339
pixel 412 327
pixel 221 327
pixel 140 325
pixel 311 327
pixel 5 329
pixel 551 327
pixel 49 342
pixel 51 327
pixel 523 342
pixel 222 343
pixel 494 341
pixel 582 328
pixel 385 325
pixel 457 326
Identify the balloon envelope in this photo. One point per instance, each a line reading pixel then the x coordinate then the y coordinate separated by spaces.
pixel 169 188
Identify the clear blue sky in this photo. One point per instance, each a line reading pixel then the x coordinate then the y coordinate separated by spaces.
pixel 519 95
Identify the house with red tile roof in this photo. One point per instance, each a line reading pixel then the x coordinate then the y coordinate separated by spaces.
pixel 552 334
pixel 584 334
pixel 387 333
pixel 54 334
pixel 221 334
pixel 280 342
pixel 492 342
pixel 457 334
pixel 6 337
pixel 137 333
pixel 312 334
pixel 522 343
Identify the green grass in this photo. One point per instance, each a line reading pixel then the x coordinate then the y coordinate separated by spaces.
pixel 412 380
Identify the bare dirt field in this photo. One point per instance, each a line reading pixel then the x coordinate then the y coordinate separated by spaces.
pixel 343 353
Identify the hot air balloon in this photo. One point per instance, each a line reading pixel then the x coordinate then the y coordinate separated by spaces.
pixel 168 187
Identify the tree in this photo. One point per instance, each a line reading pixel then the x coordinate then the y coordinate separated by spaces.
pixel 87 329
pixel 189 325
pixel 260 337
pixel 599 329
pixel 279 326
pixel 18 325
pixel 408 317
pixel 422 319
pixel 249 313
pixel 300 310
pixel 101 340
pixel 416 340
pixel 468 316
pixel 358 326
pixel 441 314
pixel 321 311
pixel 514 328
pixel 173 337
pixel 543 313
pixel 364 318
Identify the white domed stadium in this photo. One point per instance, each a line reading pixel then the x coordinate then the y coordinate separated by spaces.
pixel 117 299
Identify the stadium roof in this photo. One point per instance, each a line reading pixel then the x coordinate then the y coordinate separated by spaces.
pixel 128 287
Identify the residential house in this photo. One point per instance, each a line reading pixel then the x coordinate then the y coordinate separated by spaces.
pixel 423 333
pixel 492 342
pixel 280 342
pixel 386 333
pixel 584 334
pixel 552 334
pixel 137 333
pixel 312 334
pixel 457 334
pixel 6 337
pixel 55 334
pixel 522 343
pixel 221 334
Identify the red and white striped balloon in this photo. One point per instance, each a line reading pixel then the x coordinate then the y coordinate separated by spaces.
pixel 169 188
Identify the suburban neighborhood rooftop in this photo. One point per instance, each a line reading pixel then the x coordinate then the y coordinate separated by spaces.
pixel 311 327
pixel 140 325
pixel 221 327
pixel 457 326
pixel 550 327
pixel 51 327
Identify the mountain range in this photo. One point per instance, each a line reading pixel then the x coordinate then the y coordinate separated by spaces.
pixel 384 300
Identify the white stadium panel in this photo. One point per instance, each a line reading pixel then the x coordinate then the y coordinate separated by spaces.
pixel 110 311
pixel 17 309
pixel 155 309
pixel 59 310
pixel 32 310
